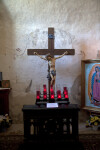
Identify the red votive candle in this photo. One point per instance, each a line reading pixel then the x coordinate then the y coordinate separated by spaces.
pixel 65 93
pixel 44 88
pixel 66 96
pixel 52 95
pixel 44 92
pixel 38 95
pixel 65 90
pixel 59 94
pixel 44 95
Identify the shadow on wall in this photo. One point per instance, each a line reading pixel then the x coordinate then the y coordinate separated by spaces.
pixel 76 90
pixel 6 44
pixel 76 96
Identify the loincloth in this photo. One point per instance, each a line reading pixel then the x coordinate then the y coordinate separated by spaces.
pixel 53 72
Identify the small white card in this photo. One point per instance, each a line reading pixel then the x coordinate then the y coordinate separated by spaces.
pixel 52 105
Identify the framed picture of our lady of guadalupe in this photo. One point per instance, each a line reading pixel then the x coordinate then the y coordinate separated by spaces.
pixel 90 97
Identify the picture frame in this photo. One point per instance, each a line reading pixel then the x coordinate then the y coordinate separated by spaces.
pixel 90 85
pixel 5 83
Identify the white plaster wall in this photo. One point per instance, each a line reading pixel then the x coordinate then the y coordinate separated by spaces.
pixel 24 25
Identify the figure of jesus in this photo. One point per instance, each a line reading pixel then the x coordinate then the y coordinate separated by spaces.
pixel 51 63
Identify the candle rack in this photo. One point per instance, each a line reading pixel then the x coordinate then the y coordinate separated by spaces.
pixel 52 97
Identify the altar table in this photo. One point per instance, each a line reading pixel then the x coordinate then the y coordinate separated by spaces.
pixel 41 122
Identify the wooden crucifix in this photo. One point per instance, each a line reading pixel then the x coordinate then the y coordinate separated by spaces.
pixel 50 57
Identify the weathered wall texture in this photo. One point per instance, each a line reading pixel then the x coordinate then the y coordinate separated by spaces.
pixel 24 25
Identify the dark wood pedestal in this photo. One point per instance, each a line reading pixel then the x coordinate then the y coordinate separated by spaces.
pixel 4 101
pixel 42 123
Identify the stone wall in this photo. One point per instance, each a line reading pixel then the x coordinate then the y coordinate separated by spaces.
pixel 24 25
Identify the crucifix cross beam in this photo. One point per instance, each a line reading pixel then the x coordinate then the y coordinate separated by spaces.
pixel 51 48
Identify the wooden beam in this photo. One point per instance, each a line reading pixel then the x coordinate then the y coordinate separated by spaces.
pixel 39 51
pixel 61 51
pixel 51 40
pixel 46 51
